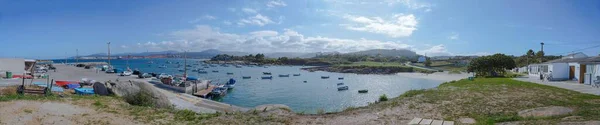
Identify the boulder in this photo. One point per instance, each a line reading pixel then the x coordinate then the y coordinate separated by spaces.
pixel 132 87
pixel 271 107
pixel 466 120
pixel 545 111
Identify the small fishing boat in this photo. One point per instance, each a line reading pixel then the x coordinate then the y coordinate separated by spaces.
pixel 219 91
pixel 266 67
pixel 169 62
pixel 342 88
pixel 363 91
pixel 266 73
pixel 181 70
pixel 304 81
pixel 282 75
pixel 296 74
pixel 246 77
pixel 324 77
pixel 229 73
pixel 215 71
pixel 238 66
pixel 202 72
pixel 340 84
pixel 267 77
pixel 84 91
pixel 164 75
pixel 144 75
pixel 150 62
pixel 341 78
pixel 127 73
pixel 62 83
pixel 230 84
pixel 163 66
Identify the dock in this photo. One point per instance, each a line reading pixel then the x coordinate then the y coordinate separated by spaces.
pixel 205 92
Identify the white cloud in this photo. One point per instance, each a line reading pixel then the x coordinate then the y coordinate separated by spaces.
pixel 276 3
pixel 249 11
pixel 400 25
pixel 226 22
pixel 205 17
pixel 437 50
pixel 205 37
pixel 454 36
pixel 124 46
pixel 411 4
pixel 258 20
pixel 263 33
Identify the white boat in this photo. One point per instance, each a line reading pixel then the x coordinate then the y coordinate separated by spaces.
pixel 163 75
pixel 230 84
pixel 126 73
pixel 342 88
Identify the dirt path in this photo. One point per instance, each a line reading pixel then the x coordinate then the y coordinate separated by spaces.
pixel 56 113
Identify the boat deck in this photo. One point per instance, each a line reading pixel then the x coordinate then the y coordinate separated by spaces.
pixel 205 92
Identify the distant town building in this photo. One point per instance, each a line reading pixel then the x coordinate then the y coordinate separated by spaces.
pixel 421 59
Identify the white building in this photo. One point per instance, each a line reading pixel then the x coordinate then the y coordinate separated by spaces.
pixel 17 66
pixel 575 67
pixel 421 59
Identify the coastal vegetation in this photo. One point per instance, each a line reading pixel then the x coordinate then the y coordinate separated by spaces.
pixel 531 57
pixel 493 65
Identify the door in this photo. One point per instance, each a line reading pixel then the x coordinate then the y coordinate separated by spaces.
pixel 571 72
pixel 582 73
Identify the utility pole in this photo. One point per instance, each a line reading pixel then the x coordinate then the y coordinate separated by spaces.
pixel 185 64
pixel 108 45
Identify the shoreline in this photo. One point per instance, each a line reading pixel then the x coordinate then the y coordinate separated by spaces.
pixel 438 76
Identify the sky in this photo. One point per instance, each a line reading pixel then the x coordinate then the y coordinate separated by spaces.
pixel 57 28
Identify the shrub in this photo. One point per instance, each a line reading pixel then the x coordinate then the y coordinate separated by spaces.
pixel 383 98
pixel 141 98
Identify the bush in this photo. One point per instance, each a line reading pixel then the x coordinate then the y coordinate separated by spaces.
pixel 141 98
pixel 383 98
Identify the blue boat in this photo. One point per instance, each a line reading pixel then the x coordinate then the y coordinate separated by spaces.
pixel 202 72
pixel 230 84
pixel 72 86
pixel 282 75
pixel 246 77
pixel 229 73
pixel 296 74
pixel 191 78
pixel 84 91
pixel 267 77
pixel 340 84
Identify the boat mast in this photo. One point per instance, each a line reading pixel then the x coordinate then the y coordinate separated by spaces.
pixel 184 64
pixel 108 45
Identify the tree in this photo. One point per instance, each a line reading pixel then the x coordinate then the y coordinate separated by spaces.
pixel 427 62
pixel 494 65
pixel 540 56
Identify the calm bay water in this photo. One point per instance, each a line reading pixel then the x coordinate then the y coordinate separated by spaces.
pixel 307 97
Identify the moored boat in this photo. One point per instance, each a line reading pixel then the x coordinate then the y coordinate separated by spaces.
pixel 340 84
pixel 246 77
pixel 202 72
pixel 363 91
pixel 266 73
pixel 324 77
pixel 341 78
pixel 267 77
pixel 296 74
pixel 342 88
pixel 230 84
pixel 229 73
pixel 215 71
pixel 284 75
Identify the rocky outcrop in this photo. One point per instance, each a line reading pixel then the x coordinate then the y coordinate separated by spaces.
pixel 545 111
pixel 133 87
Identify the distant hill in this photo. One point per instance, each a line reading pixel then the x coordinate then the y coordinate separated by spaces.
pixel 386 52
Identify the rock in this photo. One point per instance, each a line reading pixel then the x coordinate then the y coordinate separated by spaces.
pixel 271 107
pixel 466 120
pixel 545 111
pixel 132 87
pixel 572 118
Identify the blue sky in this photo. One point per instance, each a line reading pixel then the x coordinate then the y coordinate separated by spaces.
pixel 55 29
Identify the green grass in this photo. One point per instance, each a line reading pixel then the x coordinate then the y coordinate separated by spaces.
pixel 370 63
pixel 11 97
pixel 493 100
